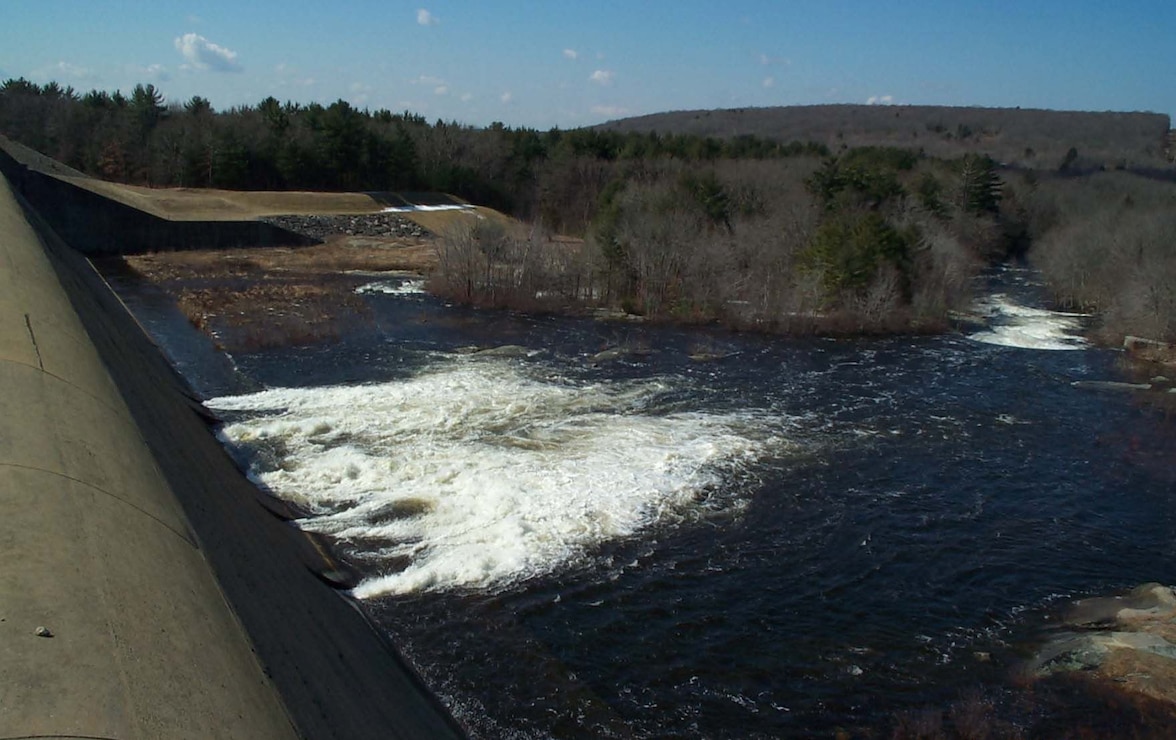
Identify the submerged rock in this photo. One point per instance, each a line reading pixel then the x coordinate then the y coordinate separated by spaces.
pixel 710 356
pixel 506 350
pixel 608 355
pixel 1110 385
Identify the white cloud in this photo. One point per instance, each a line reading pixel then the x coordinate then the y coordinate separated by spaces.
pixel 880 100
pixel 766 60
pixel 425 18
pixel 571 54
pixel 769 82
pixel 441 90
pixel 287 74
pixel 506 98
pixel 429 80
pixel 64 71
pixel 467 97
pixel 609 110
pixel 201 53
pixel 602 77
pixel 359 92
pixel 153 72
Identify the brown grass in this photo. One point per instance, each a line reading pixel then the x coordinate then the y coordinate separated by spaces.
pixel 338 254
pixel 230 205
pixel 273 313
pixel 249 299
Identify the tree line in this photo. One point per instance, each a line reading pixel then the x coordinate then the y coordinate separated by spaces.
pixel 869 240
pixel 745 230
pixel 143 140
pixel 1027 138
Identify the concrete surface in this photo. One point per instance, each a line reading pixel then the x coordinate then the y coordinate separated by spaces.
pixel 99 217
pixel 97 549
pixel 179 604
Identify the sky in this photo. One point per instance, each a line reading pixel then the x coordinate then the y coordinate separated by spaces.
pixel 560 63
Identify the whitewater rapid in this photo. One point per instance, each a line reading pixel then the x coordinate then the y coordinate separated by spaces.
pixel 483 473
pixel 1011 324
pixel 402 287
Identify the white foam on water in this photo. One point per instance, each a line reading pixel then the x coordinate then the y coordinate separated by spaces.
pixel 411 209
pixel 477 476
pixel 1014 325
pixel 387 287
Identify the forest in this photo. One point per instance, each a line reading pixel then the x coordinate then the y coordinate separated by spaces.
pixel 1027 138
pixel 827 234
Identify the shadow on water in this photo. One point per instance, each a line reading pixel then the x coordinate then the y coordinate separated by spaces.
pixel 194 354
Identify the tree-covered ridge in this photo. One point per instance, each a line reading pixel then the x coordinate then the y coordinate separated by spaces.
pixel 1036 139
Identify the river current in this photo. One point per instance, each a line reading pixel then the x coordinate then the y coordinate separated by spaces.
pixel 610 529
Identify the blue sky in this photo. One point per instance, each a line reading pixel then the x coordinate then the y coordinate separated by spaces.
pixel 567 64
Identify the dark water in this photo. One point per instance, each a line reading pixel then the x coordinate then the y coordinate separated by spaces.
pixel 933 499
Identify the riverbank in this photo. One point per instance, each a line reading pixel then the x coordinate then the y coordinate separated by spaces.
pixel 1119 651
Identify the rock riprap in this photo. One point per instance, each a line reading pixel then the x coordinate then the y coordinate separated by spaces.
pixel 386 225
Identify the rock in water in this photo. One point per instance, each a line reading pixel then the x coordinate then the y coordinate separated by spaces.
pixel 1110 385
pixel 506 350
pixel 1126 642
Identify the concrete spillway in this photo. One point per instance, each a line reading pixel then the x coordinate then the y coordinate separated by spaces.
pixel 178 604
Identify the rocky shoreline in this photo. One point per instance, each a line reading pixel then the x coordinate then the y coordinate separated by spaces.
pixel 387 225
pixel 1125 642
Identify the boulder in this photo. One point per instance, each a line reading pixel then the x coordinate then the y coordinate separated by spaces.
pixel 1127 642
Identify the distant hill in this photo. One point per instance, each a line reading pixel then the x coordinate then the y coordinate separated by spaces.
pixel 1039 139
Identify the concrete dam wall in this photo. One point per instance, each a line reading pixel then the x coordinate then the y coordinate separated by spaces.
pixel 93 224
pixel 176 600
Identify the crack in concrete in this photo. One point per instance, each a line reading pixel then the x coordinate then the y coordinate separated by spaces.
pixel 188 537
pixel 33 339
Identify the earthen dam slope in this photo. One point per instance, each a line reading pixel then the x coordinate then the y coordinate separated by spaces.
pixel 147 589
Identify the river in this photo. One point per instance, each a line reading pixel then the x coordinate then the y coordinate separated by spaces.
pixel 611 529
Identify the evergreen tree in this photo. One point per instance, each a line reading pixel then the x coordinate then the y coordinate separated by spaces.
pixel 980 186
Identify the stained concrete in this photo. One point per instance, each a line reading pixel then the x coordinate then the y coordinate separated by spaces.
pixel 179 604
pixel 97 549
